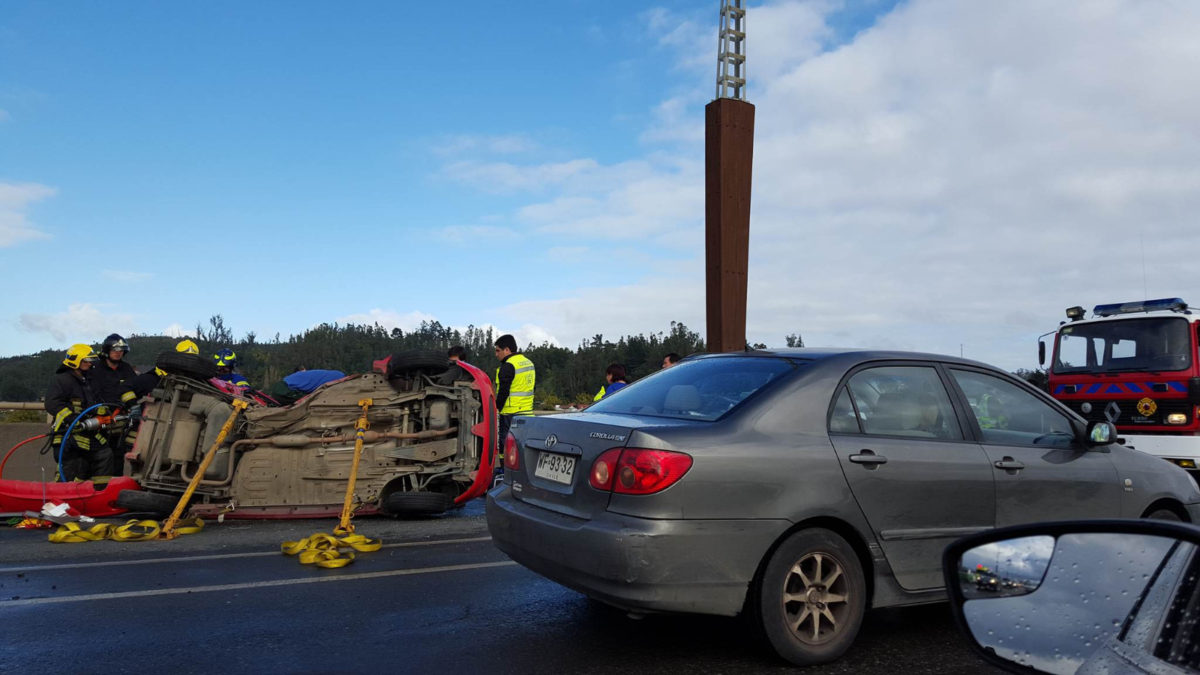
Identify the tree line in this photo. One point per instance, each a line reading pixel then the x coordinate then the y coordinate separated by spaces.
pixel 563 375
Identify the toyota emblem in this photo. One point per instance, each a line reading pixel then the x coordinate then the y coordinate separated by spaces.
pixel 551 441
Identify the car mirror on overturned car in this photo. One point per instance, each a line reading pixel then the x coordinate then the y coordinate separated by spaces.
pixel 1088 597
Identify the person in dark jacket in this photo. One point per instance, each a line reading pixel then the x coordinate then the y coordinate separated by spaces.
pixel 86 452
pixel 112 380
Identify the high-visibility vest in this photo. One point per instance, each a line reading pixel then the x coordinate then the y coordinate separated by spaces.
pixel 520 394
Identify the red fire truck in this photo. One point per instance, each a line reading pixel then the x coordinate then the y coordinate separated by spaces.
pixel 1133 364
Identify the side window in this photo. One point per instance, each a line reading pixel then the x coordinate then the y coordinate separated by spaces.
pixel 1009 415
pixel 843 420
pixel 904 401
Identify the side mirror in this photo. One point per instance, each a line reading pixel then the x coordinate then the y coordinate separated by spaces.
pixel 1086 596
pixel 1041 353
pixel 1101 433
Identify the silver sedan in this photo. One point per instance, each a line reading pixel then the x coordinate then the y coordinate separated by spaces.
pixel 804 486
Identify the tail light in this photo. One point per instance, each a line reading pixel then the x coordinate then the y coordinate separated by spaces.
pixel 638 471
pixel 511 460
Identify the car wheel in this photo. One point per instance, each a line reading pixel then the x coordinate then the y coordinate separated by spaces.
pixel 427 360
pixel 139 501
pixel 1163 514
pixel 812 597
pixel 188 365
pixel 416 503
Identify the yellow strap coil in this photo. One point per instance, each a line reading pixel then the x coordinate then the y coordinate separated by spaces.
pixel 324 550
pixel 132 530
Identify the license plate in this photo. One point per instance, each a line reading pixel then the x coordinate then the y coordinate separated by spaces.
pixel 558 468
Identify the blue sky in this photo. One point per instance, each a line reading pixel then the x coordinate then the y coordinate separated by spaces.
pixel 928 175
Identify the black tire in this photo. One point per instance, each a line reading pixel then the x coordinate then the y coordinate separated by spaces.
pixel 409 504
pixel 1163 514
pixel 188 365
pixel 811 598
pixel 427 360
pixel 139 501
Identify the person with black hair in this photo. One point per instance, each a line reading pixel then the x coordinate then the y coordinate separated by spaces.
pixel 614 381
pixel 514 384
pixel 670 360
pixel 457 353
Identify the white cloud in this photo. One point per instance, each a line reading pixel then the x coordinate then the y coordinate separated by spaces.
pixel 501 177
pixel 947 180
pixel 127 276
pixel 509 144
pixel 15 199
pixel 388 319
pixel 82 322
pixel 176 331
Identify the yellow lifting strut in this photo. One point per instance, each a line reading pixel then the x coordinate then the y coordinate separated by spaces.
pixel 345 526
pixel 168 528
pixel 323 550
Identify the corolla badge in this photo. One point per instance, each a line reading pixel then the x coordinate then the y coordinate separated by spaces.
pixel 606 437
pixel 551 441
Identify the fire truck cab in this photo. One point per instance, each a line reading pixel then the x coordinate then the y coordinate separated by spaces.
pixel 1134 364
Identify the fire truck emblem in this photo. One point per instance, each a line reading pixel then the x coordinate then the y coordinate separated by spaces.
pixel 1146 407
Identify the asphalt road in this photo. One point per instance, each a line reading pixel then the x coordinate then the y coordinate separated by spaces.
pixel 437 597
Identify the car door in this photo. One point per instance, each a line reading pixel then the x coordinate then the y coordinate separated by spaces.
pixel 919 481
pixel 1042 471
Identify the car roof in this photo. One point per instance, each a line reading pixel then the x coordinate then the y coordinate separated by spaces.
pixel 845 354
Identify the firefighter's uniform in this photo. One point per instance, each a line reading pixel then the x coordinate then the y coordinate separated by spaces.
pixel 86 453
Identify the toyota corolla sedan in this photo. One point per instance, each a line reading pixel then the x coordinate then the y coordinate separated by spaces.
pixel 804 486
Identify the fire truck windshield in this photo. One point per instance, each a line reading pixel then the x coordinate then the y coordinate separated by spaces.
pixel 1124 345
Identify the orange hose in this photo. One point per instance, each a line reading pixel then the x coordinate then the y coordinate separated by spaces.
pixel 14 449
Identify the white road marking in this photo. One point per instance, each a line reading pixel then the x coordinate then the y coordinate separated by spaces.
pixel 252 585
pixel 216 556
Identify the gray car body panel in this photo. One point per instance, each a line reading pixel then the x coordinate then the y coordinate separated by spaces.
pixel 762 471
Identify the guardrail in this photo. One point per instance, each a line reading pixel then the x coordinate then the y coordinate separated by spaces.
pixel 24 405
pixel 9 405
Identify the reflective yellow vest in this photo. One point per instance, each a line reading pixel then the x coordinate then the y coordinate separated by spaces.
pixel 520 394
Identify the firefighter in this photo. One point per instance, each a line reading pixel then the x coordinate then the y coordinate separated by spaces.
pixel 112 380
pixel 85 453
pixel 226 364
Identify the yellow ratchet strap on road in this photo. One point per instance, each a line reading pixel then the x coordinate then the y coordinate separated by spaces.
pixel 132 530
pixel 324 550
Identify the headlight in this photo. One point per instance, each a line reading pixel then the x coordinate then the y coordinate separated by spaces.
pixel 1177 418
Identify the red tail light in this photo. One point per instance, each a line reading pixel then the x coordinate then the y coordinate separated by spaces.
pixel 604 469
pixel 638 471
pixel 511 460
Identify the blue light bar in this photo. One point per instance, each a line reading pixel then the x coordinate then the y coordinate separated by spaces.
pixel 1160 305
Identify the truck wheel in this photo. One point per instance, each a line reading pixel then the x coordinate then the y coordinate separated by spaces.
pixel 188 365
pixel 140 501
pixel 812 597
pixel 409 504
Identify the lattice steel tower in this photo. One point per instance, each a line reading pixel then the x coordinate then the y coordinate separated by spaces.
pixel 731 51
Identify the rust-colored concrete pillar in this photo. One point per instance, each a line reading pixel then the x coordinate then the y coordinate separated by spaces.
pixel 728 158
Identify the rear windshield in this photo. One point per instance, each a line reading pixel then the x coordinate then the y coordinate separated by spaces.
pixel 703 389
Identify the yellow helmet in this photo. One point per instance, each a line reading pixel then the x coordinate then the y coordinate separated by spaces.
pixel 187 347
pixel 77 354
